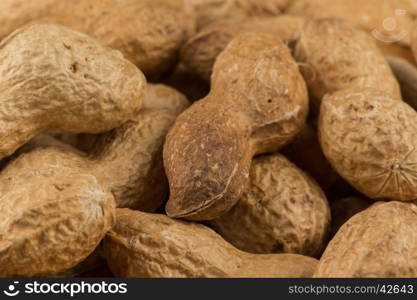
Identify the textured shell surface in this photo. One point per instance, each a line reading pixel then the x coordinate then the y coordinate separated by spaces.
pixel 67 82
pixel 370 139
pixel 258 102
pixel 152 245
pixel 53 213
pixel 371 15
pixel 148 32
pixel 281 210
pixel 380 241
pixel 17 13
pixel 200 52
pixel 209 11
pixel 337 55
pixel 137 178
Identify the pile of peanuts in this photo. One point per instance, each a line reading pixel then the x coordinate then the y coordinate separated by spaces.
pixel 208 138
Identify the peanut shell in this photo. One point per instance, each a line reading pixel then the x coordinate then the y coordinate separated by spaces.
pixel 53 214
pixel 201 51
pixel 370 139
pixel 258 102
pixel 380 241
pixel 336 55
pixel 67 82
pixel 152 245
pixel 281 210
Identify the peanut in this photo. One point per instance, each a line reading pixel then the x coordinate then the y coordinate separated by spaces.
pixel 370 139
pixel 377 242
pixel 53 215
pixel 201 51
pixel 281 210
pixel 336 55
pixel 152 245
pixel 257 103
pixel 388 22
pixel 67 82
pixel 209 11
pixel 147 32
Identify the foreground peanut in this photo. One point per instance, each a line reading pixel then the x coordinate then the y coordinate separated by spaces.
pixel 257 103
pixel 380 241
pixel 53 215
pixel 371 139
pixel 281 210
pixel 152 245
pixel 67 82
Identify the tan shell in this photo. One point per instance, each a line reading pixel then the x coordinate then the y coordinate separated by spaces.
pixel 281 210
pixel 147 32
pixel 343 209
pixel 53 214
pixel 152 245
pixel 201 51
pixel 406 74
pixel 209 11
pixel 17 13
pixel 336 55
pixel 257 103
pixel 370 139
pixel 40 141
pixel 136 178
pixel 387 21
pixel 380 241
pixel 67 82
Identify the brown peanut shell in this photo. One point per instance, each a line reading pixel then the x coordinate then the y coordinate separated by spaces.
pixel 370 139
pixel 67 82
pixel 258 102
pixel 209 11
pixel 200 52
pixel 281 210
pixel 152 245
pixel 54 214
pixel 380 241
pixel 336 55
